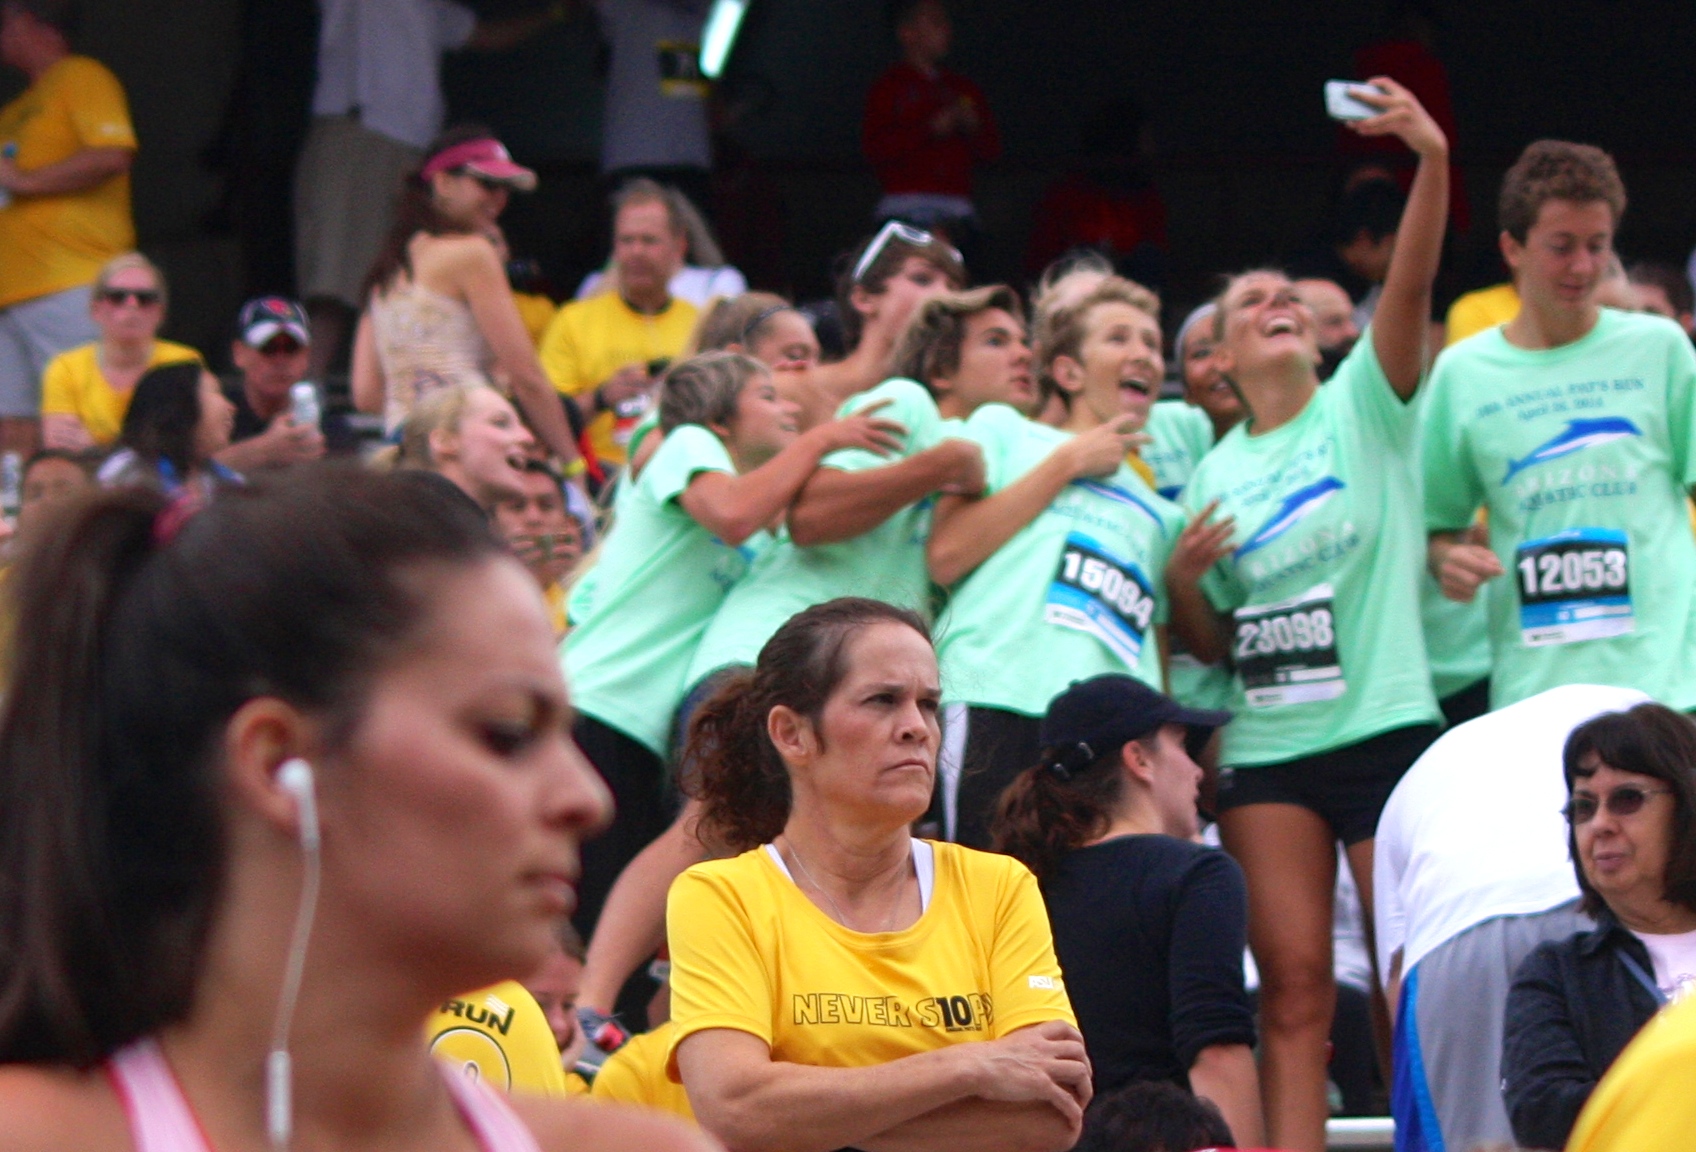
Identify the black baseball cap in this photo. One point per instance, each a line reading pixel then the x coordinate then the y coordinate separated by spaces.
pixel 1109 711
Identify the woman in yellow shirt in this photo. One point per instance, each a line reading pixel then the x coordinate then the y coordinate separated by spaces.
pixel 841 983
pixel 86 391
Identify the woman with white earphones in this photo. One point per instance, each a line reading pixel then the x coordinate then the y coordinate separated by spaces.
pixel 277 779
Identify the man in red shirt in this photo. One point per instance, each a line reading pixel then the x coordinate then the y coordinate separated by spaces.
pixel 926 126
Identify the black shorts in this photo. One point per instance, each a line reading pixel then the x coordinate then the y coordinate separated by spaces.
pixel 643 807
pixel 1346 786
pixel 999 746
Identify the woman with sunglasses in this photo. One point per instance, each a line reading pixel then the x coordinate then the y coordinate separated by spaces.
pixel 885 279
pixel 439 309
pixel 1575 1004
pixel 86 390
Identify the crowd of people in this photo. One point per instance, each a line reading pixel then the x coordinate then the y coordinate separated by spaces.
pixel 1009 728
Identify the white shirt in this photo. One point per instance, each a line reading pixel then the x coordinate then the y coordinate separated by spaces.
pixel 699 286
pixel 383 58
pixel 1674 958
pixel 656 113
pixel 1474 830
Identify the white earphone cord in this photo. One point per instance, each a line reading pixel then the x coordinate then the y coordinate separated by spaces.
pixel 279 1094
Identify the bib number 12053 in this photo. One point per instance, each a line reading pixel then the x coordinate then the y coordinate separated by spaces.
pixel 1286 652
pixel 1574 585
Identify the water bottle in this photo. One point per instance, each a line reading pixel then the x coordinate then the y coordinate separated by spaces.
pixel 10 151
pixel 11 485
pixel 303 404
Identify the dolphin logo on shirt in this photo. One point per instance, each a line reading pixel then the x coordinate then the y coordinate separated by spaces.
pixel 1297 506
pixel 1577 436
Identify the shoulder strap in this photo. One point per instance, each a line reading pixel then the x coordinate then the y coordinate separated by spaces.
pixel 159 1116
pixel 1642 977
pixel 488 1115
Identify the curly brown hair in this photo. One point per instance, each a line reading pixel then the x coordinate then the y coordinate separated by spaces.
pixel 1557 170
pixel 729 762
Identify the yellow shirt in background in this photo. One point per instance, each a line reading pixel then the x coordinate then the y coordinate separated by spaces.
pixel 73 386
pixel 500 1036
pixel 537 312
pixel 51 243
pixel 590 340
pixel 635 1074
pixel 750 952
pixel 1476 311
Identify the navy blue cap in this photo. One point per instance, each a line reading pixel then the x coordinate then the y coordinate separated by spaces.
pixel 1096 716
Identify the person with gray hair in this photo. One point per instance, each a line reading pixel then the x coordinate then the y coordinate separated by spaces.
pixel 705 275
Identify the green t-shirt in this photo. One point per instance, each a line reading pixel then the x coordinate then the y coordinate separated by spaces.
pixel 887 563
pixel 1076 593
pixel 1182 435
pixel 1583 455
pixel 1324 583
pixel 660 578
pixel 1457 637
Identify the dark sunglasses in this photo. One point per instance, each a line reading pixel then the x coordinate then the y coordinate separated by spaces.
pixel 280 346
pixel 143 297
pixel 1626 800
pixel 489 183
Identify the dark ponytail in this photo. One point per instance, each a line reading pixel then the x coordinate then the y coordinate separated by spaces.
pixel 1062 803
pixel 730 764
pixel 136 636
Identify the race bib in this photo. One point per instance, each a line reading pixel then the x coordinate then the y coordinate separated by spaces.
pixel 1096 592
pixel 1574 585
pixel 1286 652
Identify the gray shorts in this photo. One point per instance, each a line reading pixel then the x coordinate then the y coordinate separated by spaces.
pixel 32 333
pixel 1448 1043
pixel 344 202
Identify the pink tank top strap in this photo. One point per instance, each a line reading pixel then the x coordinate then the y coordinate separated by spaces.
pixel 160 1118
pixel 490 1118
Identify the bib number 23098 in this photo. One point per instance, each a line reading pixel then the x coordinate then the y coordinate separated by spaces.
pixel 1096 592
pixel 1574 585
pixel 1286 652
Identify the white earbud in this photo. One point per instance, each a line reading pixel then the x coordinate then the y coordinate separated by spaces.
pixel 295 778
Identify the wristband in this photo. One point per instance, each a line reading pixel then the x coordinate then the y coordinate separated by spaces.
pixel 575 469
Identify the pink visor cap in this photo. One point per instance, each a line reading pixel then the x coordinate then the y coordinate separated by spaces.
pixel 485 157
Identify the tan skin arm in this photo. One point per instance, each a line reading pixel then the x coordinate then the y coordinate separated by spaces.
pixel 78 172
pixel 836 505
pixel 1206 633
pixel 366 382
pixel 476 273
pixel 1462 561
pixel 1401 325
pixel 966 531
pixel 734 507
pixel 1226 1074
pixel 64 431
pixel 756 1104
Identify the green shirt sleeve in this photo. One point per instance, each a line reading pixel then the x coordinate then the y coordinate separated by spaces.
pixel 1378 411
pixel 1681 409
pixel 1452 489
pixel 689 449
pixel 910 406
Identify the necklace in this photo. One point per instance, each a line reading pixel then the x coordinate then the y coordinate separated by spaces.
pixel 841 916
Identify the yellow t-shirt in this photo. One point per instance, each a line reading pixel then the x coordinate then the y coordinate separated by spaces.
pixel 749 951
pixel 1647 1100
pixel 51 243
pixel 537 312
pixel 500 1036
pixel 589 340
pixel 73 386
pixel 1476 311
pixel 635 1074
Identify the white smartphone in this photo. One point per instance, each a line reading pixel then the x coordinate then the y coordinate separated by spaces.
pixel 1342 104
